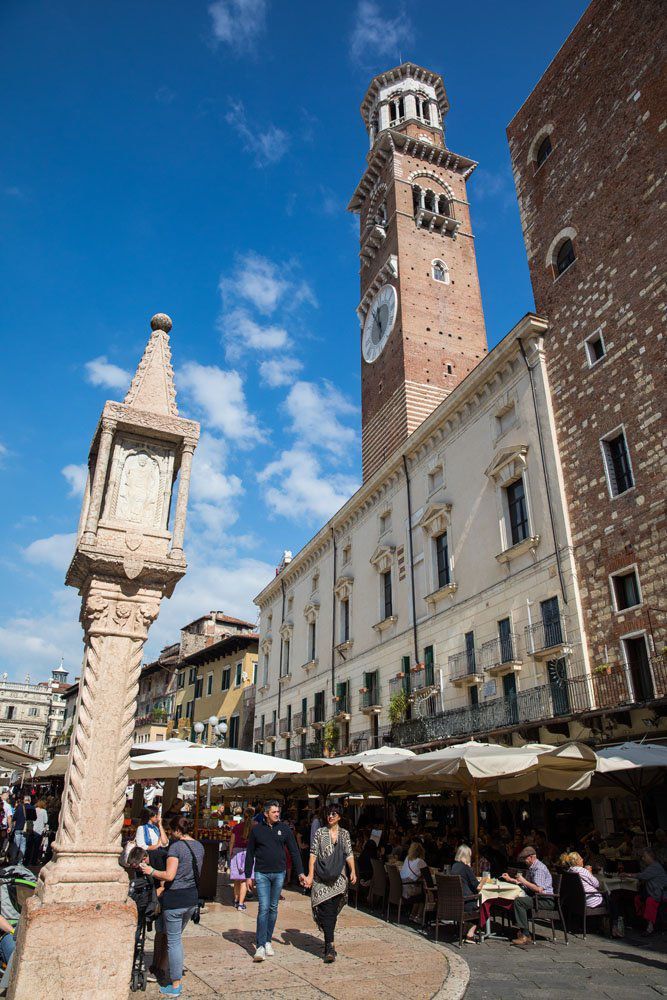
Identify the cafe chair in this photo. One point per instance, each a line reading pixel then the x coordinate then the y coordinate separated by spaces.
pixel 379 884
pixel 547 913
pixel 395 894
pixel 451 905
pixel 573 899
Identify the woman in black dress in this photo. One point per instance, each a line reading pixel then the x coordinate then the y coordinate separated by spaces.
pixel 463 868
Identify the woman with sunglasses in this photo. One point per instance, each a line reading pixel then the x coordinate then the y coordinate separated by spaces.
pixel 330 852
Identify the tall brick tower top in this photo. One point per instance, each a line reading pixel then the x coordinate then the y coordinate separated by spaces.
pixel 422 326
pixel 408 98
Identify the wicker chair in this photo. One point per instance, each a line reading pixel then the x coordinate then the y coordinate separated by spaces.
pixel 549 914
pixel 379 884
pixel 574 903
pixel 395 894
pixel 451 904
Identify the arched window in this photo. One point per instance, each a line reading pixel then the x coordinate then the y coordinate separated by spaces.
pixel 565 256
pixel 416 198
pixel 440 271
pixel 423 109
pixel 429 201
pixel 381 215
pixel 543 151
pixel 396 110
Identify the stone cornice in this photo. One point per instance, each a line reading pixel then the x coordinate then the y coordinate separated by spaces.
pixel 489 377
pixel 390 141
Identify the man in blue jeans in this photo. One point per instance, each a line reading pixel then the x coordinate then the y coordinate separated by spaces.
pixel 266 852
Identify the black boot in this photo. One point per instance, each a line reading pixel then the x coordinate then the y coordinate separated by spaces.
pixel 329 953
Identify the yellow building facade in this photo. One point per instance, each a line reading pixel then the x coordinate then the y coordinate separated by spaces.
pixel 218 680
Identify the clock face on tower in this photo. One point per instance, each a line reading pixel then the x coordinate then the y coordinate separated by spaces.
pixel 379 323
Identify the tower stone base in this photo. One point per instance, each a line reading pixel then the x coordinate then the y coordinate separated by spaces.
pixel 55 945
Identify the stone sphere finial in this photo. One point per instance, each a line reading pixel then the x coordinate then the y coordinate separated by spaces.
pixel 161 322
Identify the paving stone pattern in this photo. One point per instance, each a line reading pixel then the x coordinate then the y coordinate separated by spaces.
pixel 376 961
pixel 600 968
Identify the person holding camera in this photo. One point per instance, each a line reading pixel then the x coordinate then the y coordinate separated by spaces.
pixel 180 900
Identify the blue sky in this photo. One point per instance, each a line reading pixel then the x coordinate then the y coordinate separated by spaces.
pixel 196 158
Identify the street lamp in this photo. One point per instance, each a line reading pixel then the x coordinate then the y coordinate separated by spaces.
pixel 199 729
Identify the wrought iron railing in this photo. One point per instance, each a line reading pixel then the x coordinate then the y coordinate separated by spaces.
pixel 463 664
pixel 369 698
pixel 544 635
pixel 341 704
pixel 502 649
pixel 316 713
pixel 269 730
pixel 259 734
pixel 299 721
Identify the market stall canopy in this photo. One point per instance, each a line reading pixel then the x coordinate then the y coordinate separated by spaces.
pixel 209 762
pixel 12 757
pixel 357 772
pixel 54 768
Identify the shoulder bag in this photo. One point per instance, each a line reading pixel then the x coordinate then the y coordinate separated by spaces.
pixel 196 916
pixel 329 868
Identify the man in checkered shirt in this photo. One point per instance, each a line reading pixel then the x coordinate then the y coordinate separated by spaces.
pixel 536 882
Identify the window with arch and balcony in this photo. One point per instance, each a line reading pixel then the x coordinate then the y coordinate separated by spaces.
pixel 433 210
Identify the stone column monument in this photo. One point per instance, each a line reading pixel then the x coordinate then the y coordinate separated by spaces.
pixel 76 935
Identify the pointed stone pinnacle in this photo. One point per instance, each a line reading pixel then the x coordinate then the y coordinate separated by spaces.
pixel 152 387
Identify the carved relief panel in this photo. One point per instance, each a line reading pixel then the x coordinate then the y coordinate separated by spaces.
pixel 140 482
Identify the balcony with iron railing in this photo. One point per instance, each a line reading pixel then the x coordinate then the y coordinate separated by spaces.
pixel 259 734
pixel 299 722
pixel 604 690
pixel 501 655
pixel 370 701
pixel 342 707
pixel 317 716
pixel 270 731
pixel 547 640
pixel 464 670
pixel 285 728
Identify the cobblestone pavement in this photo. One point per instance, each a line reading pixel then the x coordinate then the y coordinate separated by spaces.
pixel 376 961
pixel 599 968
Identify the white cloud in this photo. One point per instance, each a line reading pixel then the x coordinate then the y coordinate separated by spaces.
pixel 34 644
pixel 241 331
pixel 256 280
pixel 296 487
pixel 237 23
pixel 221 398
pixel 376 36
pixel 315 414
pixel 267 143
pixel 100 371
pixel 213 492
pixel 278 372
pixel 76 477
pixel 4 452
pixel 55 551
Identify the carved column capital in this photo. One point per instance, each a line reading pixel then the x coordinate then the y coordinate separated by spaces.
pixel 105 610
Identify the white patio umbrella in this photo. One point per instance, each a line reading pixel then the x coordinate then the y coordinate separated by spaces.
pixel 635 768
pixel 472 767
pixel 214 761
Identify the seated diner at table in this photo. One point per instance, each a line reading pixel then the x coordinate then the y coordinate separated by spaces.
pixel 536 882
pixel 414 874
pixel 575 864
pixel 471 884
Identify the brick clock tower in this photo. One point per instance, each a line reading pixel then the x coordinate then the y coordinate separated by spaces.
pixel 422 326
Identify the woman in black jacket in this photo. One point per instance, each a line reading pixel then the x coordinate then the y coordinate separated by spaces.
pixel 463 868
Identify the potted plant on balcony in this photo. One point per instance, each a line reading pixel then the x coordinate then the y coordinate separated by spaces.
pixel 602 668
pixel 416 668
pixel 330 736
pixel 363 690
pixel 398 707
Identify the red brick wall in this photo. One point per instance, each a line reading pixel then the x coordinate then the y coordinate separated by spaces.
pixel 605 100
pixel 438 325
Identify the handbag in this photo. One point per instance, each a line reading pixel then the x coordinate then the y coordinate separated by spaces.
pixel 196 916
pixel 328 869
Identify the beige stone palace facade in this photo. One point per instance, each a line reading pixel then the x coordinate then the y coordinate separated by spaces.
pixel 444 600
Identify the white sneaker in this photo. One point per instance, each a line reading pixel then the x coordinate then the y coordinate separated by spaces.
pixel 260 955
pixel 268 948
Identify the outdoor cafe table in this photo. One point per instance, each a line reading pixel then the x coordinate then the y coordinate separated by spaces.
pixel 497 889
pixel 612 883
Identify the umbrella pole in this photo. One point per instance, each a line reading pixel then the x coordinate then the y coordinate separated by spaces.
pixel 643 816
pixel 475 828
pixel 196 830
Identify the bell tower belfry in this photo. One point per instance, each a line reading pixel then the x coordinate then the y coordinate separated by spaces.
pixel 422 325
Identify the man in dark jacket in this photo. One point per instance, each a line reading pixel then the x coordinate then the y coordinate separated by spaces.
pixel 266 853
